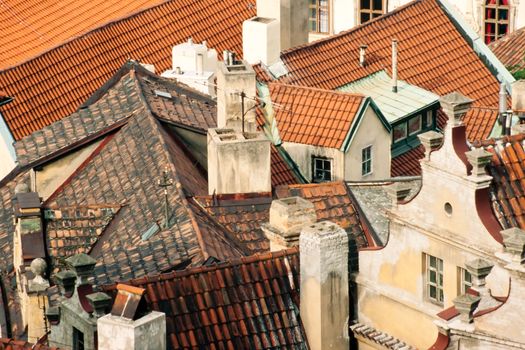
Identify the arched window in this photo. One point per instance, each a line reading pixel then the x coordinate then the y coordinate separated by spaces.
pixel 370 9
pixel 496 20
pixel 319 18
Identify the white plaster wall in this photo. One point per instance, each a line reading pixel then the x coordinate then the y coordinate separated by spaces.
pixel 54 174
pixel 7 150
pixel 343 15
pixel 369 132
pixel 302 156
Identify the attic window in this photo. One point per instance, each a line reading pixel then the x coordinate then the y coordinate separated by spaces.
pixel 164 94
pixel 400 132
pixel 322 169
pixel 370 9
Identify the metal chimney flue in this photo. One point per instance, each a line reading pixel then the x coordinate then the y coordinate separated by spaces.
pixel 362 55
pixel 394 65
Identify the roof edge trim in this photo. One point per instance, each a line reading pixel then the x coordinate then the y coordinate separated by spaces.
pixel 483 52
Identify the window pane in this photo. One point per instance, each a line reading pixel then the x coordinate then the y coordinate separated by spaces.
pixel 432 292
pixel 365 17
pixel 432 275
pixel 432 261
pixel 323 20
pixel 414 125
pixel 400 132
pixel 441 295
pixel 365 4
pixel 503 14
pixel 378 5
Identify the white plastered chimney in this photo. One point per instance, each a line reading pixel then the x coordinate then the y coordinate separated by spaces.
pixel 293 19
pixel 238 162
pixel 261 40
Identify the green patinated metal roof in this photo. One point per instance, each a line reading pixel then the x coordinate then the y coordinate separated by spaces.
pixel 395 106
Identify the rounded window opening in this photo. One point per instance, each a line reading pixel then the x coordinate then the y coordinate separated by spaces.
pixel 448 208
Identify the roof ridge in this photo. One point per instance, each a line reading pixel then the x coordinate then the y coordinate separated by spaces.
pixel 355 28
pixel 259 257
pixel 331 92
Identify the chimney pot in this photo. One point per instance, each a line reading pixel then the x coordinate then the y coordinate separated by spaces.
pixel 502 99
pixel 394 65
pixel 466 304
pixel 100 302
pixel 479 158
pixel 84 266
pixel 362 55
pixel 514 241
pixel 455 105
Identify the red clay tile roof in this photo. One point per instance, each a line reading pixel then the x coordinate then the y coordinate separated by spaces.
pixel 31 27
pixel 245 213
pixel 314 116
pixel 52 85
pixel 432 55
pixel 332 201
pixel 407 164
pixel 247 303
pixel 510 50
pixel 282 173
pixel 12 344
pixel 508 172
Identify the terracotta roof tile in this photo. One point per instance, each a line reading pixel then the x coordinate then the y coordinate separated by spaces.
pixel 50 86
pixel 244 313
pixel 313 116
pixel 12 344
pixel 407 164
pixel 432 55
pixel 508 186
pixel 32 27
pixel 282 173
pixel 510 50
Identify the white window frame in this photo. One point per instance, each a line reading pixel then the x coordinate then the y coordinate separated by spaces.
pixel 367 160
pixel 318 20
pixel 324 160
pixel 429 119
pixel 434 267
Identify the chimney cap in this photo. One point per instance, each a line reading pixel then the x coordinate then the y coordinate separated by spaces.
pixel 479 159
pixel 84 265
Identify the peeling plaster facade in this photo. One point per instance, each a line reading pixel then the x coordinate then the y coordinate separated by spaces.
pixel 442 221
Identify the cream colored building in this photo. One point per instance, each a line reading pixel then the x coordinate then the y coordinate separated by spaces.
pixel 432 237
pixel 488 18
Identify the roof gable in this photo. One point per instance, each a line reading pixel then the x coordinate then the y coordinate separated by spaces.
pixel 313 116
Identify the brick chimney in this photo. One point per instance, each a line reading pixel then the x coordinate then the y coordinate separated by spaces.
pixel 237 162
pixel 235 79
pixel 130 326
pixel 324 285
pixel 260 40
pixel 287 218
pixel 292 16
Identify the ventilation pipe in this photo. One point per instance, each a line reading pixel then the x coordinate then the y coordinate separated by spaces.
pixel 394 65
pixel 362 52
pixel 200 64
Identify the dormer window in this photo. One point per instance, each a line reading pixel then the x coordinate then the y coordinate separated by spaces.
pixel 399 132
pixel 414 125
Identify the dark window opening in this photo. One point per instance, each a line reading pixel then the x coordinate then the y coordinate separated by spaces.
pixel 322 169
pixel 78 339
pixel 496 19
pixel 370 9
